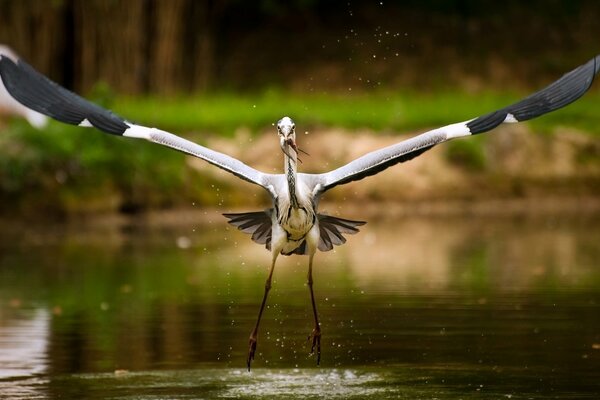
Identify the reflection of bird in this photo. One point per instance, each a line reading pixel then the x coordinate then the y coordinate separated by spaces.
pixel 292 225
pixel 9 106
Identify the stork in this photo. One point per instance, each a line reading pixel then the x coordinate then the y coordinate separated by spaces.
pixel 293 224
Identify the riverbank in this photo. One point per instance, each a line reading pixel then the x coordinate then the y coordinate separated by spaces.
pixel 514 169
pixel 67 171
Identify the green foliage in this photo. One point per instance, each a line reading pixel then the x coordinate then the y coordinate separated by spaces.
pixel 68 167
pixel 223 113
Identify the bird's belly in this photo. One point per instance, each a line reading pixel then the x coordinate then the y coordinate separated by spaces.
pixel 297 228
pixel 298 223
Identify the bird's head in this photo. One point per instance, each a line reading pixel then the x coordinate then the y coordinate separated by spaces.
pixel 287 135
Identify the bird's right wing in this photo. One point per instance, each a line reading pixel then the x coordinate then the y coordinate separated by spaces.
pixel 39 93
pixel 11 106
pixel 558 94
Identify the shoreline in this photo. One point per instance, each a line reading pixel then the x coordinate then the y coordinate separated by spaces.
pixel 515 171
pixel 521 207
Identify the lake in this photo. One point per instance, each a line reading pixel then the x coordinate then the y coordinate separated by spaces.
pixel 462 307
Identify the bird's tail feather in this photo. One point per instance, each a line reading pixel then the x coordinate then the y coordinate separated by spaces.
pixel 258 224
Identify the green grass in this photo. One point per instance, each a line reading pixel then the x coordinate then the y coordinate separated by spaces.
pixel 223 113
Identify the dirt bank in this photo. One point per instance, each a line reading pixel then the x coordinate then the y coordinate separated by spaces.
pixel 513 166
pixel 513 162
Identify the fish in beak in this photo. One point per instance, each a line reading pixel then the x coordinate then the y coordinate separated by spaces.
pixel 286 143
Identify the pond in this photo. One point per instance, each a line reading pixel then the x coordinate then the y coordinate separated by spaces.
pixel 465 307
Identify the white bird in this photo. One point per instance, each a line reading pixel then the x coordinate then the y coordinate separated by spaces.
pixel 9 106
pixel 292 225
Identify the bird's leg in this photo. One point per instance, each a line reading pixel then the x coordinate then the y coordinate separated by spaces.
pixel 315 336
pixel 254 334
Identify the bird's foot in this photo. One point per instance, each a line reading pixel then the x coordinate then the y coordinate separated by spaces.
pixel 315 338
pixel 251 349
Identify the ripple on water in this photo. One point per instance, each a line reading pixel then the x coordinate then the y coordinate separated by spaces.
pixel 230 384
pixel 304 384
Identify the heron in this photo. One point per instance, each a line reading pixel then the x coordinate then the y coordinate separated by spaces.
pixel 9 106
pixel 292 225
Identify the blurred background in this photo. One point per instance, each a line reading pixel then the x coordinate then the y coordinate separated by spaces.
pixel 476 276
pixel 185 46
pixel 222 72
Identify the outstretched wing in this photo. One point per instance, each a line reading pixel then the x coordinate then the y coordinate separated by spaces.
pixel 558 94
pixel 39 93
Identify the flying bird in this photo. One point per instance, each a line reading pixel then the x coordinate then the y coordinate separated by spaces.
pixel 293 224
pixel 9 106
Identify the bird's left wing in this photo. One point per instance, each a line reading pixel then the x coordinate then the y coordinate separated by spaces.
pixel 558 94
pixel 39 93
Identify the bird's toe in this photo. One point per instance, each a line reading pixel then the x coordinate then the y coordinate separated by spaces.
pixel 251 350
pixel 315 338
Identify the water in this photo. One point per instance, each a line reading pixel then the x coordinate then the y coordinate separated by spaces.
pixel 419 308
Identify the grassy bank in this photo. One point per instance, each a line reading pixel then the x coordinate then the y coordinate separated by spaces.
pixel 71 169
pixel 399 112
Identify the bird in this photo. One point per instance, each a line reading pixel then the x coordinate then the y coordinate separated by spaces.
pixel 292 225
pixel 9 106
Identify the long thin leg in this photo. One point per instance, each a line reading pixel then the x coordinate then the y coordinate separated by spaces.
pixel 254 335
pixel 316 333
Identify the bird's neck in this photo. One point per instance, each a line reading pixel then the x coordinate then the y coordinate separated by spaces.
pixel 291 173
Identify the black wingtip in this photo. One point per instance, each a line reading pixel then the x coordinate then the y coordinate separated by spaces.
pixel 5 62
pixel 38 93
pixel 570 87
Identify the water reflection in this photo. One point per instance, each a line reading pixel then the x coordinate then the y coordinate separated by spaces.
pixel 23 344
pixel 23 352
pixel 510 304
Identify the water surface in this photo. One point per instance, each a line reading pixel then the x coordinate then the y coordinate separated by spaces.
pixel 470 307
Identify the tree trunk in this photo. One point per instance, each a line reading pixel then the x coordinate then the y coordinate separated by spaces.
pixel 166 51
